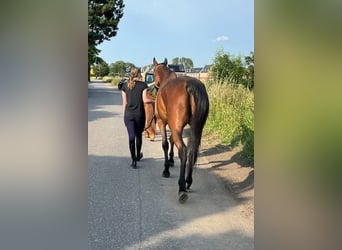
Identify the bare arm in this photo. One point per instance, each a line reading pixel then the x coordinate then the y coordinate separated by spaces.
pixel 124 101
pixel 146 99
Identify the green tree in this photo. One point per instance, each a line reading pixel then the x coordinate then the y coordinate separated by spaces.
pixel 93 58
pixel 103 20
pixel 231 68
pixel 120 68
pixel 236 71
pixel 175 60
pixel 221 65
pixel 101 69
pixel 187 62
pixel 117 68
pixel 249 74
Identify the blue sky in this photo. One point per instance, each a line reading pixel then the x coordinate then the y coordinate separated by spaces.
pixel 195 29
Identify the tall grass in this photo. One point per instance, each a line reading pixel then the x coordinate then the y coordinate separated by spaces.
pixel 115 81
pixel 231 116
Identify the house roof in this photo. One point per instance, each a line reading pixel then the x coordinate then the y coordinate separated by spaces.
pixel 176 67
pixel 196 70
pixel 206 68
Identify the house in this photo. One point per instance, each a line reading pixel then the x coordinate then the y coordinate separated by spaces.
pixel 201 73
pixel 177 67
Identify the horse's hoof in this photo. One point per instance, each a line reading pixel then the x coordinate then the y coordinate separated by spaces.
pixel 183 197
pixel 189 190
pixel 166 174
pixel 171 163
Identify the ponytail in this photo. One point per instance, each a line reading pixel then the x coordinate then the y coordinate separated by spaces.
pixel 134 75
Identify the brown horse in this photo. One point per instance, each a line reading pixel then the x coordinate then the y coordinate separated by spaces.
pixel 150 123
pixel 180 101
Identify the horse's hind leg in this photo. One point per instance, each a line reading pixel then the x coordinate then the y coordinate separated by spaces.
pixel 146 108
pixel 152 128
pixel 171 154
pixel 152 131
pixel 189 177
pixel 182 153
pixel 165 145
pixel 192 156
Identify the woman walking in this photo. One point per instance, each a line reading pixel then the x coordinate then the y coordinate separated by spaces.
pixel 133 98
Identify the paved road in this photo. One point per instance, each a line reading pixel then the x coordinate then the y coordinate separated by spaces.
pixel 137 208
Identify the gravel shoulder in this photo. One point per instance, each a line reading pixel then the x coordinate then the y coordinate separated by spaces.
pixel 236 173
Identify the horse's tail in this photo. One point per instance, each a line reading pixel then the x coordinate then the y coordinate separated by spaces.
pixel 199 103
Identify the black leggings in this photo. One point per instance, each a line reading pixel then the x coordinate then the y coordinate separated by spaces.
pixel 135 128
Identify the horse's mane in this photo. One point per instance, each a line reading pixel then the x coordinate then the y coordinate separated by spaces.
pixel 165 71
pixel 166 68
pixel 168 73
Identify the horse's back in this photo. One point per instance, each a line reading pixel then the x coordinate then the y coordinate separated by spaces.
pixel 180 84
pixel 178 99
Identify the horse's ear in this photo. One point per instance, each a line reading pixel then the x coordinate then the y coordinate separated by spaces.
pixel 155 63
pixel 165 61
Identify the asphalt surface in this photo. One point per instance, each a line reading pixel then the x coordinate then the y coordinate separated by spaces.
pixel 138 208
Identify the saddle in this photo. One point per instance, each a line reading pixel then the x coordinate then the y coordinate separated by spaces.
pixel 152 91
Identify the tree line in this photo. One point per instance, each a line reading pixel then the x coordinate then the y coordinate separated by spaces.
pixel 121 68
pixel 226 68
pixel 232 69
pixel 103 19
pixel 118 68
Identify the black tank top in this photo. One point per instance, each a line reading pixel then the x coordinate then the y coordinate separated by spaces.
pixel 135 104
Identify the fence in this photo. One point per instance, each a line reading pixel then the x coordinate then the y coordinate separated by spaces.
pixel 200 76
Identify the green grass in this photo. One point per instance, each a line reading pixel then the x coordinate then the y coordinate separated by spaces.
pixel 231 116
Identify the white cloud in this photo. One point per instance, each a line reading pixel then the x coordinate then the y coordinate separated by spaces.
pixel 221 38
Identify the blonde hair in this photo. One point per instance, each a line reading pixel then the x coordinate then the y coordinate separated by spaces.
pixel 134 75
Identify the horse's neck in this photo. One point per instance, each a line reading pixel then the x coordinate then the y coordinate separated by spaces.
pixel 171 75
pixel 167 75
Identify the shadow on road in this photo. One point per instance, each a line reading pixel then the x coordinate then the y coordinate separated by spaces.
pixel 237 173
pixel 138 209
pixel 145 214
pixel 98 98
pixel 246 184
pixel 219 149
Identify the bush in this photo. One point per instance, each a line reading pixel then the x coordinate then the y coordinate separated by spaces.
pixel 107 79
pixel 115 81
pixel 231 115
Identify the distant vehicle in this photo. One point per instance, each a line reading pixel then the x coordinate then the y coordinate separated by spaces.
pixel 122 82
pixel 149 78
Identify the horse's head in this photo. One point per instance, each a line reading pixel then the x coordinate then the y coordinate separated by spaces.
pixel 161 72
pixel 155 63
